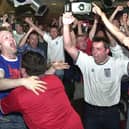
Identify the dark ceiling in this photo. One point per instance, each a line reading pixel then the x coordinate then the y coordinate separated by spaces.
pixel 55 7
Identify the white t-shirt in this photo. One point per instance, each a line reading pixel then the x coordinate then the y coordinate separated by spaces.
pixel 55 48
pixel 117 52
pixel 18 36
pixel 102 82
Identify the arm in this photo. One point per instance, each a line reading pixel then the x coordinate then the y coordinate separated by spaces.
pixel 58 65
pixel 113 42
pixel 115 48
pixel 31 83
pixel 73 37
pixel 93 29
pixel 79 26
pixel 24 39
pixel 112 28
pixel 68 43
pixel 118 8
pixel 37 29
pixel 7 105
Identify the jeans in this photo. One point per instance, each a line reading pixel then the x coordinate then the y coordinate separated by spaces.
pixel 101 117
pixel 12 121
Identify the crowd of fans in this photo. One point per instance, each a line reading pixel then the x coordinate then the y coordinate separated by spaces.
pixel 67 39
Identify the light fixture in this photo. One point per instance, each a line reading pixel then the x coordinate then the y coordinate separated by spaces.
pixel 21 2
pixel 39 8
pixel 37 5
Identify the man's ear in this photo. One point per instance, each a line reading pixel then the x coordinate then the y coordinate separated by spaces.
pixel 23 72
pixel 107 51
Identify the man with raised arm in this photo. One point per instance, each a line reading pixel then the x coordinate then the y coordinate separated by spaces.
pixel 101 83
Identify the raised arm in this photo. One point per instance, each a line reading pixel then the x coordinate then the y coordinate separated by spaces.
pixel 93 29
pixel 68 43
pixel 36 28
pixel 25 37
pixel 118 8
pixel 112 28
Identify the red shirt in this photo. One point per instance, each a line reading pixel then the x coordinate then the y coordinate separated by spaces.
pixel 88 48
pixel 49 110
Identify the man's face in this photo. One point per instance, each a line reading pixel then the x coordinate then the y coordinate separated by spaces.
pixel 53 32
pixel 99 52
pixel 81 42
pixel 19 28
pixel 33 40
pixel 7 43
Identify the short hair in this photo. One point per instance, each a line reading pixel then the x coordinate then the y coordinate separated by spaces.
pixel 34 63
pixel 33 33
pixel 102 39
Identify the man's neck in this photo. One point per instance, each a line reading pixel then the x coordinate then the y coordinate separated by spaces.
pixel 103 62
pixel 9 56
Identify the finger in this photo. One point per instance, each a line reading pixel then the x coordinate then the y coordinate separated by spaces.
pixel 39 89
pixel 61 61
pixel 66 66
pixel 35 92
pixel 41 86
pixel 34 77
pixel 41 82
pixel 93 4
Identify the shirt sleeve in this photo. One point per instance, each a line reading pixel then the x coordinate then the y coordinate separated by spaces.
pixel 47 37
pixel 9 104
pixel 117 52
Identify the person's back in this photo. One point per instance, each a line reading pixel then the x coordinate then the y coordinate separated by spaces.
pixel 50 109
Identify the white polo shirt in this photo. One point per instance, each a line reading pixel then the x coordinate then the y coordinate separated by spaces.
pixel 55 48
pixel 102 82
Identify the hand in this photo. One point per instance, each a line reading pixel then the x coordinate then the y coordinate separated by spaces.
pixel 5 17
pixel 29 20
pixel 96 9
pixel 34 84
pixel 59 65
pixel 6 24
pixel 68 18
pixel 119 8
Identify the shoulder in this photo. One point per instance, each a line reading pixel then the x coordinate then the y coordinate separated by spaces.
pixel 49 77
pixel 52 80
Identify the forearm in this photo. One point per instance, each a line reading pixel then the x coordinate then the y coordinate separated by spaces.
pixel 93 30
pixel 68 43
pixel 113 29
pixel 6 84
pixel 79 29
pixel 112 40
pixel 67 36
pixel 113 15
pixel 37 29
pixel 51 70
pixel 73 38
pixel 24 39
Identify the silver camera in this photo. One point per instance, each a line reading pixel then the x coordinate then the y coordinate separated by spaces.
pixel 78 8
